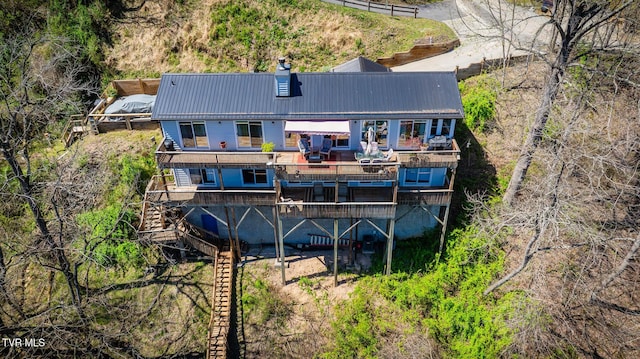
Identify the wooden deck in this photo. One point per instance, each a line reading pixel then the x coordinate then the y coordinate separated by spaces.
pixel 290 163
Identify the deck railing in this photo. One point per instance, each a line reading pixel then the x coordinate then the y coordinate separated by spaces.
pixel 286 166
pixel 300 209
pixel 332 171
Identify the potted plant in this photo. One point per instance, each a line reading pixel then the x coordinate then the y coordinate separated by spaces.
pixel 268 146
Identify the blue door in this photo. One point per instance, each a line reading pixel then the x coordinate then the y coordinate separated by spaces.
pixel 209 223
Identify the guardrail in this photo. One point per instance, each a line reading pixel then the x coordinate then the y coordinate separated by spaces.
pixel 393 9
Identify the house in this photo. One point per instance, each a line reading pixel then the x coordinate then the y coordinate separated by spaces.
pixel 387 173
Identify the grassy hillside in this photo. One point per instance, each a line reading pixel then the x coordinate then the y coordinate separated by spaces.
pixel 249 35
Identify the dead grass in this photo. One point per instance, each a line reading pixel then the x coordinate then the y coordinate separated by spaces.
pixel 165 37
pixel 309 298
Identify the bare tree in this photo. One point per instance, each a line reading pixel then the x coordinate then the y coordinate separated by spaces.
pixel 577 28
pixel 575 242
pixel 39 81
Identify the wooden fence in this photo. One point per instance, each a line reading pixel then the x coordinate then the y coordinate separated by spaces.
pixel 392 9
pixel 136 86
pixel 485 65
pixel 419 51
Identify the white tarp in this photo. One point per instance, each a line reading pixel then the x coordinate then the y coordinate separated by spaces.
pixel 318 127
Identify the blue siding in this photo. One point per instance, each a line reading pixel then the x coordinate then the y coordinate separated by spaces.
pixel 218 131
pixel 171 131
pixel 436 177
pixel 232 178
pixel 274 132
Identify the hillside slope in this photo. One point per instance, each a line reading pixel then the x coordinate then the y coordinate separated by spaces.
pixel 247 35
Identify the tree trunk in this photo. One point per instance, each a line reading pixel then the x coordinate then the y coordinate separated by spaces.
pixel 60 257
pixel 537 128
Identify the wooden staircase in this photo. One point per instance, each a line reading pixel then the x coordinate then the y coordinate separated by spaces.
pixel 220 321
pixel 157 226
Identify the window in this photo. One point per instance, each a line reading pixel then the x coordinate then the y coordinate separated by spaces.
pixel 446 128
pixel 340 141
pixel 249 134
pixel 417 176
pixel 193 134
pixel 412 133
pixel 434 128
pixel 205 176
pixel 291 139
pixel 380 129
pixel 252 176
pixel 440 128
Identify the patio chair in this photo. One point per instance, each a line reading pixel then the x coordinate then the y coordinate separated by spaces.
pixel 389 154
pixel 303 146
pixel 374 147
pixel 326 148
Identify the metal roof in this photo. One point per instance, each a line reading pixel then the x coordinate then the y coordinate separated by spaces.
pixel 325 95
pixel 360 64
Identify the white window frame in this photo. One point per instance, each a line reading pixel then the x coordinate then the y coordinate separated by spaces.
pixel 440 126
pixel 255 183
pixel 248 124
pixel 208 176
pixel 196 143
pixel 419 172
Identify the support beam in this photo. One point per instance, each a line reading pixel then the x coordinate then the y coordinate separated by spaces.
pixel 350 227
pixel 275 231
pixel 236 224
pixel 292 229
pixel 384 233
pixel 432 215
pixel 335 252
pixel 265 217
pixel 216 217
pixel 444 229
pixel 281 240
pixel 320 228
pixel 226 213
pixel 244 215
pixel 392 224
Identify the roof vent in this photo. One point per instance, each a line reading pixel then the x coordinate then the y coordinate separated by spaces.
pixel 283 78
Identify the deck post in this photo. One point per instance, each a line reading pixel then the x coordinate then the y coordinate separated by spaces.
pixel 275 230
pixel 226 213
pixel 237 238
pixel 444 228
pixel 446 213
pixel 351 257
pixel 392 223
pixel 281 240
pixel 335 252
